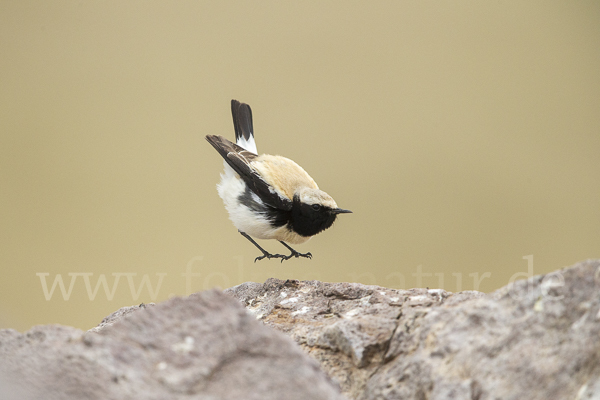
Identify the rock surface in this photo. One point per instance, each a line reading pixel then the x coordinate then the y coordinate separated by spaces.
pixel 205 346
pixel 534 339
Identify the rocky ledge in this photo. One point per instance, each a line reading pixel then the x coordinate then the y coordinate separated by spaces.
pixel 535 339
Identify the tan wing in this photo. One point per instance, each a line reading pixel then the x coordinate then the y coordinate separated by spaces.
pixel 283 174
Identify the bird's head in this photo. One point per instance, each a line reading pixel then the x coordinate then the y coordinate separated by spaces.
pixel 313 211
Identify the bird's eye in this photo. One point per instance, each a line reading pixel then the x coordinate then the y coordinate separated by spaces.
pixel 316 207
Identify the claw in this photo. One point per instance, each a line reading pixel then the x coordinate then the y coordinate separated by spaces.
pixel 268 256
pixel 296 254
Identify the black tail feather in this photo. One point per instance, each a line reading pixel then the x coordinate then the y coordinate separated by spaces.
pixel 242 120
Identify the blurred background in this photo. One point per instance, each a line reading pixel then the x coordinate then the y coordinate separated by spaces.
pixel 464 135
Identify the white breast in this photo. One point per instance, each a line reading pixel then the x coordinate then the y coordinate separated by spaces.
pixel 229 189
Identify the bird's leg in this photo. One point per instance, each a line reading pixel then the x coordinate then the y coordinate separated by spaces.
pixel 266 254
pixel 294 253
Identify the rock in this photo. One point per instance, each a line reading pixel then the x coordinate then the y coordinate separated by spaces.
pixel 535 339
pixel 204 347
pixel 121 313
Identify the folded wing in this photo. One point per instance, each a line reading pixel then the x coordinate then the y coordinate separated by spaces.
pixel 240 160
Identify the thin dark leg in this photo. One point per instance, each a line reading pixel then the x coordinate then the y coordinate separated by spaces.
pixel 294 253
pixel 266 254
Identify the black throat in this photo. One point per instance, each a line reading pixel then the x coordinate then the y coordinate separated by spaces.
pixel 307 221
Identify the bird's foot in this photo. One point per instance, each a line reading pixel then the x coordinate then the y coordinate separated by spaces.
pixel 296 254
pixel 268 255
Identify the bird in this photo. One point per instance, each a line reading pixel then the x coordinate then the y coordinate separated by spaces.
pixel 269 196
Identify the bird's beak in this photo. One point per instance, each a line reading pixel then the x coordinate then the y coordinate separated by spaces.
pixel 340 211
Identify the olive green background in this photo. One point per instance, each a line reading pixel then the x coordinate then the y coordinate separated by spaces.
pixel 464 135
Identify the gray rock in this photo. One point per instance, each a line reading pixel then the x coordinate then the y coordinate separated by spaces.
pixel 203 347
pixel 534 339
pixel 118 315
